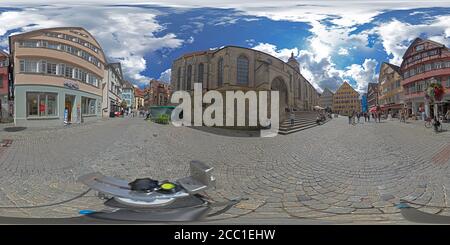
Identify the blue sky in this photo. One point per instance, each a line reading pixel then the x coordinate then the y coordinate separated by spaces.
pixel 332 40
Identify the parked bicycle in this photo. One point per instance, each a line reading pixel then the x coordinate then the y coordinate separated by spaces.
pixel 433 122
pixel 437 125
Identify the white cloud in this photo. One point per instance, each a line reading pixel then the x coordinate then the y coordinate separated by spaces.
pixel 322 72
pixel 126 34
pixel 190 40
pixel 332 25
pixel 225 20
pixel 282 54
pixel 250 42
pixel 396 35
pixel 343 51
pixel 165 76
pixel 363 74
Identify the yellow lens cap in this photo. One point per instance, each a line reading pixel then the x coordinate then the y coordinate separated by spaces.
pixel 167 186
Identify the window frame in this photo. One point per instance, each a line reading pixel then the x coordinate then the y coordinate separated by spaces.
pixel 220 72
pixel 242 72
pixel 88 106
pixel 55 68
pixel 39 97
pixel 200 73
pixel 189 78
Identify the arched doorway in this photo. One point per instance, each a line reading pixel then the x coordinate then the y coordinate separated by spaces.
pixel 279 85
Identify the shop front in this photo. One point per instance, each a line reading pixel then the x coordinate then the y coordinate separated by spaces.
pixel 392 109
pixel 421 109
pixel 415 107
pixel 42 106
pixel 114 107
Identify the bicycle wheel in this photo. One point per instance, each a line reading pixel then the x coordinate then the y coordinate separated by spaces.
pixel 427 124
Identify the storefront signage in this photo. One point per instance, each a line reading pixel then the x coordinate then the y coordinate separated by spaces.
pixel 71 85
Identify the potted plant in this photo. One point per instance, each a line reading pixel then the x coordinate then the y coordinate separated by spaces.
pixel 434 92
pixel 162 119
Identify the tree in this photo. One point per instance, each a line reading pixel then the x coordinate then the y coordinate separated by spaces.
pixel 124 104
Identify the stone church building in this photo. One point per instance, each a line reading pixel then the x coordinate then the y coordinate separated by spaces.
pixel 238 68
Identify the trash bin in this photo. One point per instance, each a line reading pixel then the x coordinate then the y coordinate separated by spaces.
pixel 111 114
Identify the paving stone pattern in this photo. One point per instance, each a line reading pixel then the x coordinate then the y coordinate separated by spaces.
pixel 335 172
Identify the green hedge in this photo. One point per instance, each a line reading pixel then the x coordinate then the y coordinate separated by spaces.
pixel 162 119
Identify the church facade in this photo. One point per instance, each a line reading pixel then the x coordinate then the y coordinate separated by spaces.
pixel 236 68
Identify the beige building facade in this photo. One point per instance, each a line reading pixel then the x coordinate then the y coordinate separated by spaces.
pixel 237 68
pixel 57 75
pixel 391 94
pixel 346 100
pixel 112 89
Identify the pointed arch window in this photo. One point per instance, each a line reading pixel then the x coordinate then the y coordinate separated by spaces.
pixel 220 72
pixel 189 78
pixel 242 70
pixel 201 69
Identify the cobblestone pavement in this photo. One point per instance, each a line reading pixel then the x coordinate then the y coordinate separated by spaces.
pixel 335 172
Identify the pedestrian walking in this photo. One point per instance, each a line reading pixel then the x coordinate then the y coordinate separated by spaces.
pixel 358 115
pixel 354 118
pixel 292 117
pixel 349 118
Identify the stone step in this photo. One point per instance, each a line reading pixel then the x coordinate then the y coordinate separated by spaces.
pixel 297 126
pixel 296 130
pixel 288 122
pixel 288 125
